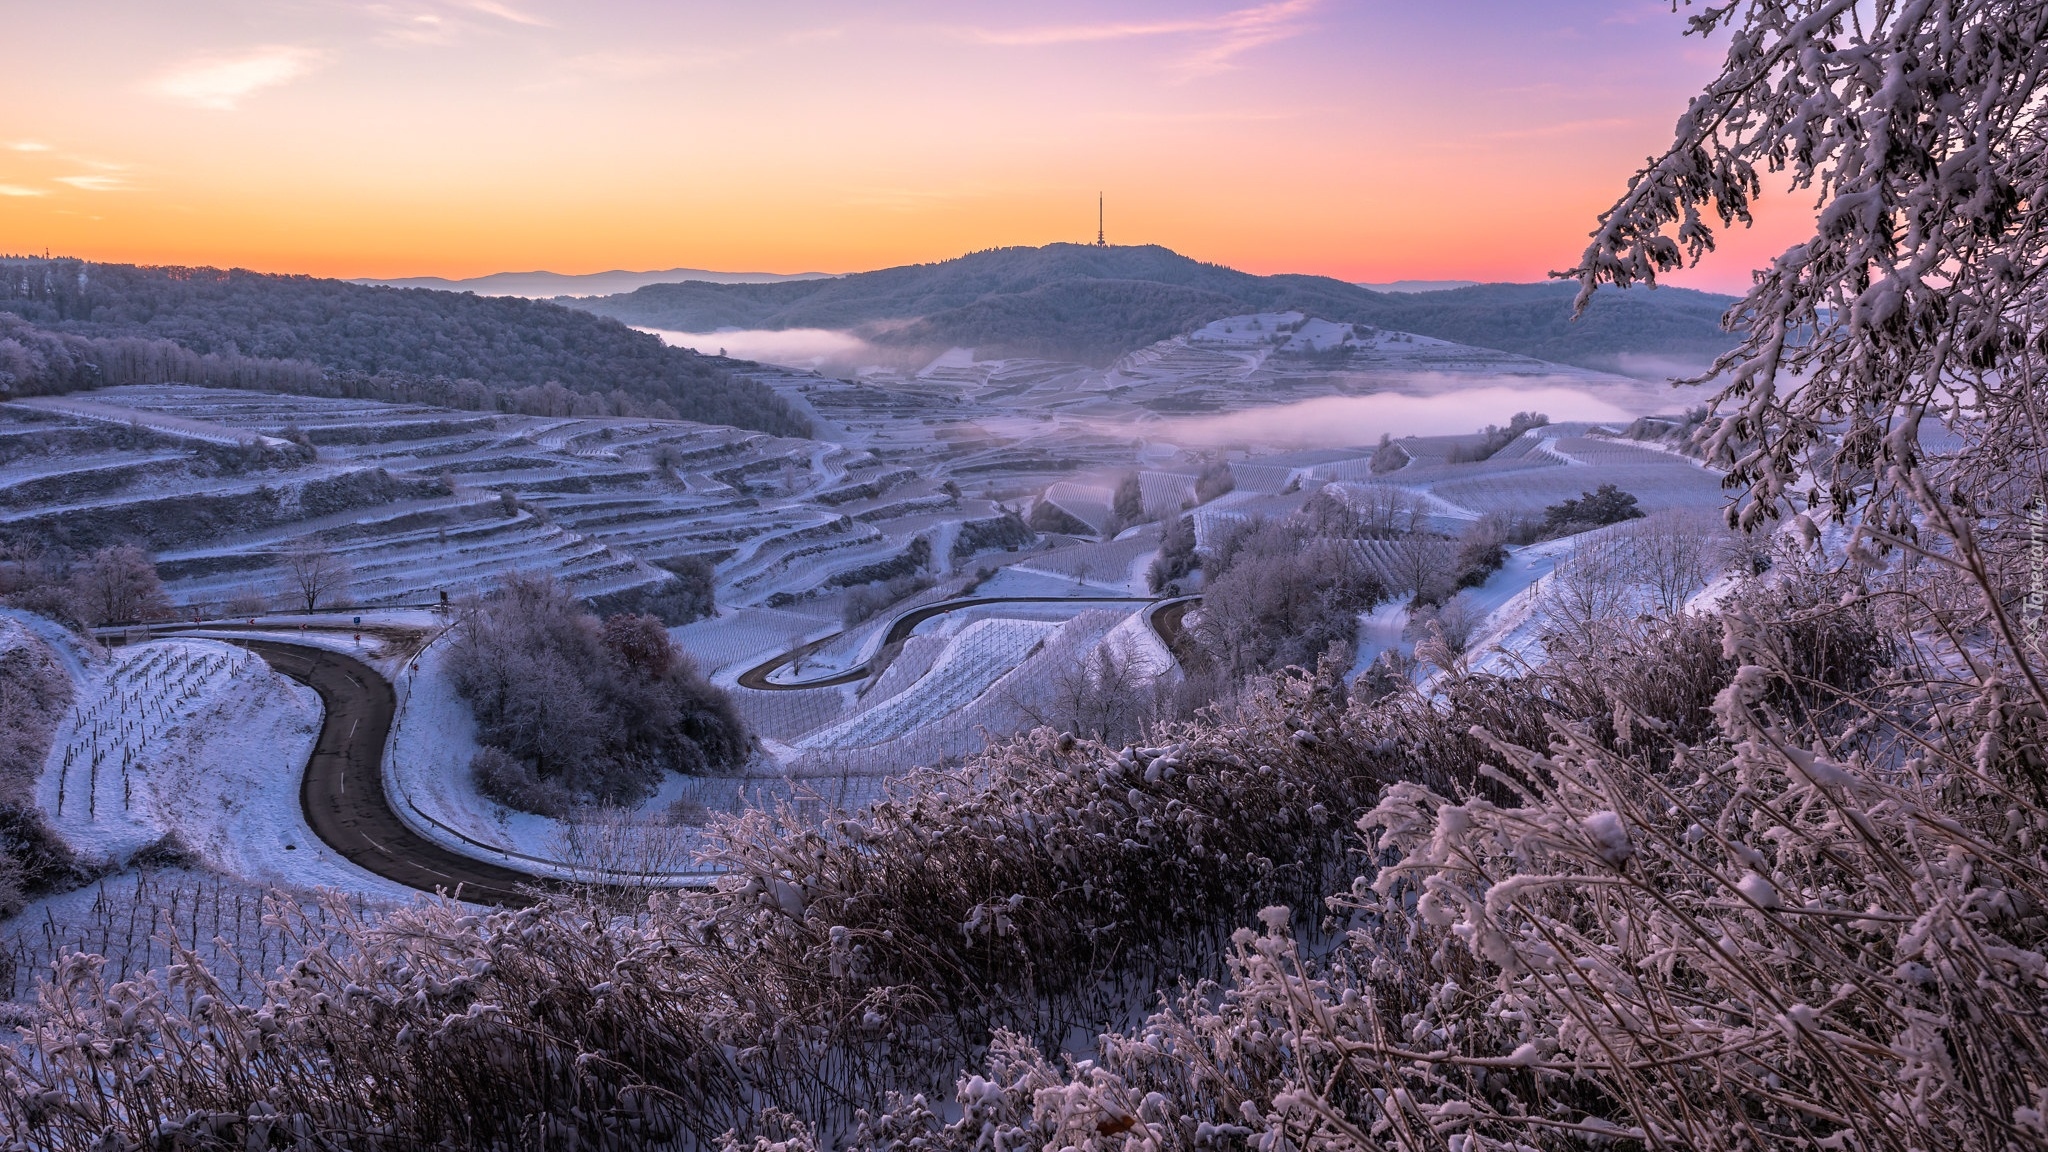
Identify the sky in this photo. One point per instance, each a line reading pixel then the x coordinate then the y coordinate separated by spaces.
pixel 1365 139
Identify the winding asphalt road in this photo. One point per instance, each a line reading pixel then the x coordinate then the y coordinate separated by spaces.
pixel 343 793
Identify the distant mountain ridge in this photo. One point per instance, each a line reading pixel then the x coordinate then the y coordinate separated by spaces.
pixel 549 285
pixel 1418 285
pixel 1092 303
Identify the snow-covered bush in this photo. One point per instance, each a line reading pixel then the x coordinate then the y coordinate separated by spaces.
pixel 597 708
pixel 34 691
pixel 1587 511
pixel 1177 558
pixel 1214 480
pixel 1776 932
pixel 510 781
pixel 1276 594
pixel 1040 889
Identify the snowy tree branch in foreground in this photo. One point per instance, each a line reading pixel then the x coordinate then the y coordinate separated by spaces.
pixel 1918 127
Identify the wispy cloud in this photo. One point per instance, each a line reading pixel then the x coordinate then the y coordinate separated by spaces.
pixel 505 12
pixel 96 183
pixel 221 83
pixel 28 146
pixel 18 190
pixel 415 27
pixel 443 22
pixel 1219 39
pixel 639 65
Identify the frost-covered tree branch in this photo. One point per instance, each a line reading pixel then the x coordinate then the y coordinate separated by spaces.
pixel 1917 127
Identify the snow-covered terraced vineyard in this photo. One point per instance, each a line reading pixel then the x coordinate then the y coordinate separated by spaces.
pixel 417 501
pixel 1116 564
pixel 977 657
pixel 140 922
pixel 106 742
pixel 1658 480
pixel 919 487
pixel 194 751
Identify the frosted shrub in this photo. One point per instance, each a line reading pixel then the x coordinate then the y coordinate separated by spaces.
pixel 584 708
pixel 1275 595
pixel 512 782
pixel 1044 888
pixel 1783 934
pixel 34 691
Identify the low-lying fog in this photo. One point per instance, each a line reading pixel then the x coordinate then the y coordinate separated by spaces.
pixel 804 348
pixel 1410 404
pixel 1344 421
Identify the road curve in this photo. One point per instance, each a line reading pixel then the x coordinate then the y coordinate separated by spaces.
pixel 343 793
pixel 899 631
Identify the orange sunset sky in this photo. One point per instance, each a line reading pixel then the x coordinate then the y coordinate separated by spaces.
pixel 1468 139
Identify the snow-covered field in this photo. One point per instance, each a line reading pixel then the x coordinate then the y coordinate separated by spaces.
pixel 200 741
pixel 976 657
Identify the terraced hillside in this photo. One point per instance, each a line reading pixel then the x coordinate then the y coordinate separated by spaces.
pixel 416 501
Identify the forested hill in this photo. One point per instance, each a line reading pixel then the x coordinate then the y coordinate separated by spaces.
pixel 1661 326
pixel 507 345
pixel 1091 303
pixel 916 291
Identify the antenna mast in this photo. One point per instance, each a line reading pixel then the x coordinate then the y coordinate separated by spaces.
pixel 1099 241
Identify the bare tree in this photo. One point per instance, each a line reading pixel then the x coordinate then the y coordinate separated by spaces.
pixel 1383 508
pixel 315 572
pixel 1111 694
pixel 1422 565
pixel 119 585
pixel 1672 555
pixel 1128 505
pixel 1593 588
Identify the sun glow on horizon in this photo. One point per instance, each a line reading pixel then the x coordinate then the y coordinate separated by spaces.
pixel 1368 141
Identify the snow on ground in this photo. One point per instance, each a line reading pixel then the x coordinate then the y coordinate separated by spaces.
pixel 137 921
pixel 1379 632
pixel 978 655
pixel 857 775
pixel 155 422
pixel 1018 580
pixel 1117 566
pixel 202 740
pixel 17 625
pixel 1137 641
pixel 742 637
pixel 428 780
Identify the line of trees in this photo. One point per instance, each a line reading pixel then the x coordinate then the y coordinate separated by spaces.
pixel 1493 438
pixel 36 362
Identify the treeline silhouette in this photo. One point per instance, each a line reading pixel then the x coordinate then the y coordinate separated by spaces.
pixel 83 325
